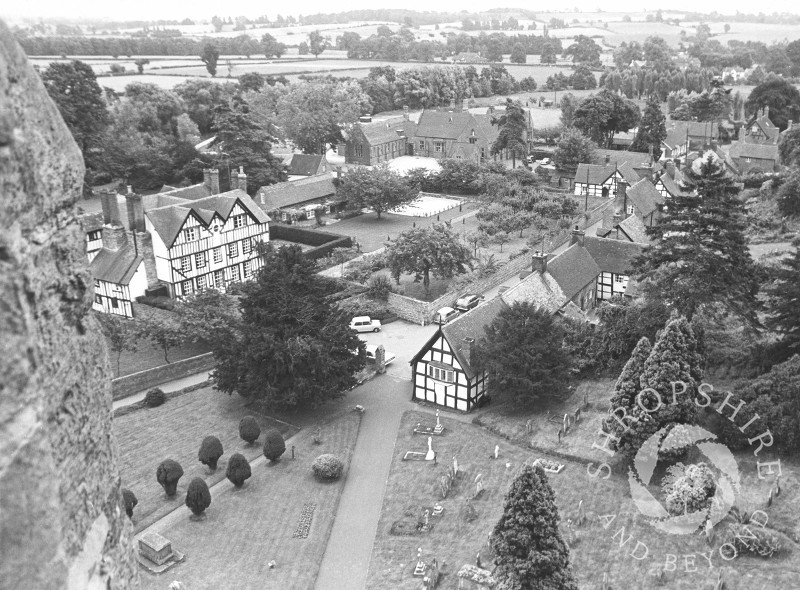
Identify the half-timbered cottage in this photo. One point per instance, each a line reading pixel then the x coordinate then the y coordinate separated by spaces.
pixel 92 226
pixel 603 180
pixel 761 129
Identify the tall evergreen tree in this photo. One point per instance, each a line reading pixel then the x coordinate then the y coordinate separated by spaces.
pixel 626 390
pixel 652 128
pixel 700 258
pixel 513 131
pixel 784 301
pixel 530 553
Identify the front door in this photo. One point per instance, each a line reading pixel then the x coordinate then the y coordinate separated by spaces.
pixel 441 392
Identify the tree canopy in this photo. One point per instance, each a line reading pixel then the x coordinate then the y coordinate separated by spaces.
pixel 293 348
pixel 599 116
pixel 379 189
pixel 782 98
pixel 584 50
pixel 210 56
pixel 574 148
pixel 652 129
pixel 513 131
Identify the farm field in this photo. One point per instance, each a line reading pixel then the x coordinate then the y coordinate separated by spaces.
pixel 118 83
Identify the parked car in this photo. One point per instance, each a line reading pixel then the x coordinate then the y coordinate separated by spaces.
pixel 388 357
pixel 467 302
pixel 364 323
pixel 444 315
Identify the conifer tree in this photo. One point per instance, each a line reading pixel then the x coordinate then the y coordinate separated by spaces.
pixel 530 553
pixel 652 128
pixel 784 295
pixel 625 392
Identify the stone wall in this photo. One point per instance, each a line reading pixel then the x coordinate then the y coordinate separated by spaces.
pixel 136 382
pixel 60 521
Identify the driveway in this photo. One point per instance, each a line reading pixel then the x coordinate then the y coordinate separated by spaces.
pixel 404 340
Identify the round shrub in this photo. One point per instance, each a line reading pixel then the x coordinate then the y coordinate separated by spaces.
pixel 238 470
pixel 274 445
pixel 168 474
pixel 129 501
pixel 154 398
pixel 327 467
pixel 210 451
pixel 198 498
pixel 249 429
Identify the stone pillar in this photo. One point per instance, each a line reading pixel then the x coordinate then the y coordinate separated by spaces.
pixel 59 476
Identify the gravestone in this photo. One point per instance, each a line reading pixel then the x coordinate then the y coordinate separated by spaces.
pixel 380 359
pixel 529 426
pixel 478 484
pixel 455 467
pixel 581 514
pixel 419 569
pixel 430 456
pixel 496 451
pixel 438 428
pixel 577 415
pixel 155 548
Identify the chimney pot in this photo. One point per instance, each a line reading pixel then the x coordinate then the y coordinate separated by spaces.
pixel 539 262
pixel 241 180
pixel 130 189
pixel 577 236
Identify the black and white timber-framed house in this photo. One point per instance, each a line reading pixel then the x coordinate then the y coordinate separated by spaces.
pixel 599 180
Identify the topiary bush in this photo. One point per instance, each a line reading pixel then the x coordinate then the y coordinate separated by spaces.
pixel 249 429
pixel 168 474
pixel 154 398
pixel 129 501
pixel 752 539
pixel 238 470
pixel 198 497
pixel 210 452
pixel 327 467
pixel 274 445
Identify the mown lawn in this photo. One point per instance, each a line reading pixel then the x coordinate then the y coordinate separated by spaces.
pixel 245 529
pixel 174 431
pixel 595 550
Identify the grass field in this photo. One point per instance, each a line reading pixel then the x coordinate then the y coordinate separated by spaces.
pixel 245 529
pixel 175 431
pixel 413 487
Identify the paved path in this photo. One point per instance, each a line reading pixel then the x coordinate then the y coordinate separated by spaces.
pixel 346 562
pixel 167 387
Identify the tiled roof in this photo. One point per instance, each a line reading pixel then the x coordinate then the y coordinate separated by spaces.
pixel 305 164
pixel 613 255
pixel 381 132
pixel 595 173
pixel 673 187
pixel 638 159
pixel 116 266
pixel 760 151
pixel 766 125
pixel 195 191
pixel 676 135
pixel 91 221
pixel 540 289
pixel 634 229
pixel 444 124
pixel 573 269
pixel 471 325
pixel 288 194
pixel 645 196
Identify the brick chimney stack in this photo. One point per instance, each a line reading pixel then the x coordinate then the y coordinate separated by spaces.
pixel 577 236
pixel 539 262
pixel 135 212
pixel 405 112
pixel 214 174
pixel 114 236
pixel 241 179
pixel 469 349
pixel 766 111
pixel 207 178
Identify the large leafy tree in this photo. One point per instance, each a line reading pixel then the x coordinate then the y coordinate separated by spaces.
pixel 601 115
pixel 789 147
pixel 584 50
pixel 435 250
pixel 530 553
pixel 574 148
pixel 789 193
pixel 782 98
pixel 210 56
pixel 523 352
pixel 700 258
pixel 518 55
pixel 316 43
pixel 652 128
pixel 271 47
pixel 513 131
pixel 379 189
pixel 245 142
pixel 293 348
pixel 201 97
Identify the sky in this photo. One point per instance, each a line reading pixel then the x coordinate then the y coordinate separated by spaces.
pixel 204 9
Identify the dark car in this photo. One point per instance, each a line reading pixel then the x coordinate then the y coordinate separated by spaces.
pixel 467 302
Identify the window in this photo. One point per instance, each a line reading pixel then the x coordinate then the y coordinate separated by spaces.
pixel 483 153
pixel 459 157
pixel 190 234
pixel 202 282
pixel 233 250
pixel 98 299
pixel 619 278
pixel 94 235
pixel 421 145
pixel 116 289
pixel 187 287
pixel 630 209
pixel 219 279
pixel 247 270
pixel 473 140
pixel 186 264
pixel 97 283
pixel 441 374
pixel 247 246
pixel 235 273
pixel 359 150
pixel 438 146
pixel 217 255
pixel 200 260
pixel 114 303
pixel 239 221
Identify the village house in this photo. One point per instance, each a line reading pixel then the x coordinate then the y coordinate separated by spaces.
pixel 302 166
pixel 92 226
pixel 603 180
pixel 684 136
pixel 755 157
pixel 455 133
pixel 298 199
pixel 370 143
pixel 669 181
pixel 676 143
pixel 760 129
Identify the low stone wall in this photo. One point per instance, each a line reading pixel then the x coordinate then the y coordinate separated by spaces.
pixel 323 242
pixel 136 382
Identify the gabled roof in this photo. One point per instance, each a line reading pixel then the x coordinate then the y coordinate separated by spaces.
pixel 645 196
pixel 115 266
pixel 540 289
pixel 676 135
pixel 636 159
pixel 761 151
pixel 613 255
pixel 573 269
pixel 288 194
pixel 444 124
pixel 195 191
pixel 766 126
pixel 634 229
pixel 305 164
pixel 599 173
pixel 470 325
pixel 673 187
pixel 381 132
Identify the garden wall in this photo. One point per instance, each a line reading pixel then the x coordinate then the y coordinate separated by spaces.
pixel 136 382
pixel 323 242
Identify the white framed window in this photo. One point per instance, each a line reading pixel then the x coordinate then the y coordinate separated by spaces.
pixel 187 287
pixel 247 269
pixel 239 221
pixel 233 249
pixel 202 282
pixel 449 376
pixel 619 278
pixel 217 255
pixel 235 273
pixel 186 264
pixel 94 235
pixel 190 234
pixel 219 279
pixel 359 150
pixel 630 209
pixel 98 299
pixel 200 260
pixel 247 246
pixel 438 146
pixel 421 145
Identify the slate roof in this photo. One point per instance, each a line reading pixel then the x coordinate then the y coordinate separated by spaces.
pixel 116 266
pixel 673 188
pixel 573 269
pixel 599 173
pixel 634 229
pixel 381 132
pixel 767 127
pixel 168 221
pixel 91 221
pixel 195 191
pixel 288 194
pixel 613 255
pixel 470 325
pixel 676 135
pixel 540 289
pixel 621 156
pixel 645 196
pixel 761 151
pixel 444 124
pixel 305 164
